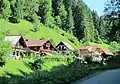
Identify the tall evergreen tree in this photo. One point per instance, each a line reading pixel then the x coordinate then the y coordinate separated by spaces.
pixel 17 7
pixel 4 9
pixel 96 20
pixel 78 19
pixel 84 27
pixel 97 25
pixel 48 20
pixel 56 4
pixel 63 16
pixel 103 28
pixel 88 27
pixel 60 13
pixel 20 9
pixel 112 12
pixel 70 20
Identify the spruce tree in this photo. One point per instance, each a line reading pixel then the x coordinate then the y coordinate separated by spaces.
pixel 96 20
pixel 17 7
pixel 56 4
pixel 48 20
pixel 63 16
pixel 5 9
pixel 112 12
pixel 70 20
pixel 78 19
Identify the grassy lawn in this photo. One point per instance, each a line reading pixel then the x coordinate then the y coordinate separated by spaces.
pixel 13 67
pixel 101 45
pixel 51 65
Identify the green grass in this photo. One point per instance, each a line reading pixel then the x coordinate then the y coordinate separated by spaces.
pixel 53 34
pixel 13 67
pixel 51 62
pixel 24 28
pixel 16 66
pixel 103 45
pixel 50 65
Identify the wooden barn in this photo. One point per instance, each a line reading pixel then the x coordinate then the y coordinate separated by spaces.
pixel 106 52
pixel 19 47
pixel 95 50
pixel 40 46
pixel 64 47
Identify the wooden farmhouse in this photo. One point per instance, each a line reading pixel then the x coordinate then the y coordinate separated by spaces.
pixel 95 50
pixel 64 47
pixel 19 47
pixel 40 46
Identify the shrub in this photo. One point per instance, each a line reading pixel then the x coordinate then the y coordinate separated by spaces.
pixel 76 53
pixel 5 49
pixel 57 58
pixel 88 59
pixel 37 64
pixel 114 46
pixel 61 75
pixel 113 62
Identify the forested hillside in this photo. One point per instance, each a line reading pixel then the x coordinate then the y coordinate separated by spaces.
pixel 59 16
pixel 72 16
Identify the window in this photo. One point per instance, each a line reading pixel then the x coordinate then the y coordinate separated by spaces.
pixel 84 50
pixel 13 52
pixel 35 48
pixel 17 53
pixel 63 48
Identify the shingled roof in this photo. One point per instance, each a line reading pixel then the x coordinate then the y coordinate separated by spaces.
pixel 89 48
pixel 13 39
pixel 67 45
pixel 107 51
pixel 31 43
pixel 93 48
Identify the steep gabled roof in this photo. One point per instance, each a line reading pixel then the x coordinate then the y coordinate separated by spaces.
pixel 93 48
pixel 31 43
pixel 67 45
pixel 13 39
pixel 89 48
pixel 107 51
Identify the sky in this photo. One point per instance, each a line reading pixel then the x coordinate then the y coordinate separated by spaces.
pixel 97 5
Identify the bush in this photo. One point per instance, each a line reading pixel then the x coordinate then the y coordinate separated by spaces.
pixel 61 75
pixel 37 64
pixel 76 53
pixel 5 49
pixel 65 59
pixel 88 59
pixel 113 62
pixel 114 46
